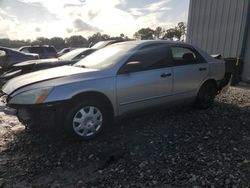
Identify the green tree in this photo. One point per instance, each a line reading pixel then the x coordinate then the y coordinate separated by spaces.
pixel 181 28
pixel 169 34
pixel 14 43
pixel 76 41
pixel 122 35
pixel 159 32
pixel 98 37
pixel 145 34
pixel 57 42
pixel 41 41
pixel 177 32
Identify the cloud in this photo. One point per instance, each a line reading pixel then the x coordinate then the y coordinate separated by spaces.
pixel 71 5
pixel 27 11
pixel 92 14
pixel 80 25
pixel 5 16
pixel 64 18
pixel 158 6
pixel 37 29
pixel 136 12
pixel 68 30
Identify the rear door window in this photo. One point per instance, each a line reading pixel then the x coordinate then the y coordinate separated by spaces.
pixel 185 56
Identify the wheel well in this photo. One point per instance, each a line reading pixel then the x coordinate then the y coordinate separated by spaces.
pixel 97 96
pixel 211 81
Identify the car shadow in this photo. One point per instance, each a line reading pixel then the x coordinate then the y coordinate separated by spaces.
pixel 182 145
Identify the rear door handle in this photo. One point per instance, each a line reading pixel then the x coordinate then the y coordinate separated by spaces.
pixel 202 69
pixel 164 75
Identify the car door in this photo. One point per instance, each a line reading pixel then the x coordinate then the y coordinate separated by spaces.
pixel 149 85
pixel 190 69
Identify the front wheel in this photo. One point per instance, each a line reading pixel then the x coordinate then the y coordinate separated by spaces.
pixel 206 96
pixel 85 120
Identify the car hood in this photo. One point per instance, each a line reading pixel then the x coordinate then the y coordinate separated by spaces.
pixel 40 76
pixel 33 62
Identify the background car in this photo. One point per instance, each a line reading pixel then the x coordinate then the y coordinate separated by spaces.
pixel 117 80
pixel 9 57
pixel 64 51
pixel 101 44
pixel 43 51
pixel 35 65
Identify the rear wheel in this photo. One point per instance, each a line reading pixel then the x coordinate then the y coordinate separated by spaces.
pixel 85 120
pixel 206 96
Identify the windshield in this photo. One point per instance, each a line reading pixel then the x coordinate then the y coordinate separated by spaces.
pixel 105 57
pixel 71 55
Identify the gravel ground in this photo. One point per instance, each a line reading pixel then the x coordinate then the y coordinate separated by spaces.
pixel 180 147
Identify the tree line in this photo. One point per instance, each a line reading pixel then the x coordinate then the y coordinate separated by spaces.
pixel 178 33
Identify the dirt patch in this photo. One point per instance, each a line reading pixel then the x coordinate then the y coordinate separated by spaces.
pixel 180 147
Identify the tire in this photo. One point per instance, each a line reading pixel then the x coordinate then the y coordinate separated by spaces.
pixel 87 119
pixel 206 96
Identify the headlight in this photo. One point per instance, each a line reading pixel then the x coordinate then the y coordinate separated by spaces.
pixel 35 96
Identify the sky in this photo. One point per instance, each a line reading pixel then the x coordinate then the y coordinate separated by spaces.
pixel 29 19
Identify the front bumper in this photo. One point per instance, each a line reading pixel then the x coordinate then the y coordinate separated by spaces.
pixel 44 116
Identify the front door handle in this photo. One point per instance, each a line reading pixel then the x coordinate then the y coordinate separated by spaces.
pixel 164 75
pixel 202 69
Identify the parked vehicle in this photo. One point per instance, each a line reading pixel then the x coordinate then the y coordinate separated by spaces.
pixel 43 51
pixel 117 80
pixel 102 44
pixel 35 65
pixel 9 57
pixel 64 51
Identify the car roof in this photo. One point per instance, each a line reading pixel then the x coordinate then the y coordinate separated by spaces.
pixel 144 42
pixel 37 46
pixel 9 49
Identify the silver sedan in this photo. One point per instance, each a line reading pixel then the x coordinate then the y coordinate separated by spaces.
pixel 115 81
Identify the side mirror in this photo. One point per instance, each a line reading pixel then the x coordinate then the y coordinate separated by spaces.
pixel 132 67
